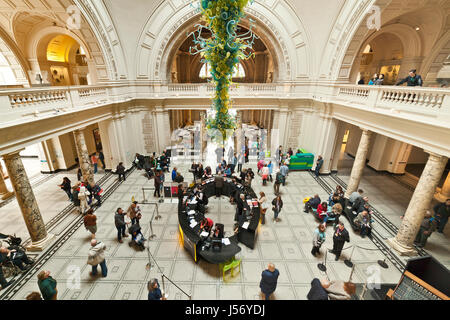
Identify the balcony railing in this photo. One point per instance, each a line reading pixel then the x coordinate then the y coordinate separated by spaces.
pixel 18 105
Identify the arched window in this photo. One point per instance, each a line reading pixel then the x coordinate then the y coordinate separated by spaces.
pixel 239 71
pixel 6 73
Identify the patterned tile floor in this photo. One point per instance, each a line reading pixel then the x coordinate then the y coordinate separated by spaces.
pixel 287 244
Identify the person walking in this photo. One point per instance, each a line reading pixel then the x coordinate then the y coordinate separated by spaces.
pixel 318 239
pixel 157 184
pixel 441 213
pixel 233 163
pixel 96 257
pixel 174 173
pixel 65 185
pixel 277 204
pixel 120 170
pixel 319 164
pixel 268 283
pixel 339 238
pixel 94 160
pixel 47 286
pixel 263 205
pixel 278 181
pixel 119 221
pixel 90 222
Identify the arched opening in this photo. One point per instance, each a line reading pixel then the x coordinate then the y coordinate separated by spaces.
pixel 382 55
pixel 7 76
pixel 62 61
pixel 187 68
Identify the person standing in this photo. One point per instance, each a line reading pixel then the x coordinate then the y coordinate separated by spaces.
pixel 318 239
pixel 83 195
pixel 154 292
pixel 90 222
pixel 284 171
pixel 277 204
pixel 319 164
pixel 94 160
pixel 426 229
pixel 373 80
pixel 441 213
pixel 270 166
pixel 174 173
pixel 218 181
pixel 339 238
pixel 278 181
pixel 65 185
pixel 279 155
pixel 133 211
pixel 269 278
pixel 157 185
pixel 120 170
pixel 119 221
pixel 263 206
pixel 240 161
pixel 97 257
pixel 265 174
pixel 101 157
pixel 180 196
pixel 79 174
pixel 233 163
pixel 47 286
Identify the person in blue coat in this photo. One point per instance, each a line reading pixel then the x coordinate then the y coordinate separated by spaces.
pixel 268 282
pixel 317 291
pixel 174 174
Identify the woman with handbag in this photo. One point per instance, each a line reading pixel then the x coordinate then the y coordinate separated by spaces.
pixel 263 206
pixel 277 204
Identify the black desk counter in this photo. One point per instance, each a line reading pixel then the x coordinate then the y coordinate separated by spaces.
pixel 195 243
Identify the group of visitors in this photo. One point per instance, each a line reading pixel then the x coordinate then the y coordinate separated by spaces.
pixel 82 194
pixel 412 80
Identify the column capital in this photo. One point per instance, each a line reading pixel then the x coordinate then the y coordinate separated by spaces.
pixel 365 130
pixel 434 155
pixel 13 154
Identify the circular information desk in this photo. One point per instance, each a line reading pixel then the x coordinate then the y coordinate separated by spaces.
pixel 190 215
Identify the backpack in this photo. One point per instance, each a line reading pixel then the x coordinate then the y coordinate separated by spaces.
pixel 279 178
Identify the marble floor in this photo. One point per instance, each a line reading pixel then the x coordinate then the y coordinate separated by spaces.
pixel 287 244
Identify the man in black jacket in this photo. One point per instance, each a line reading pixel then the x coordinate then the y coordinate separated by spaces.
pixel 412 80
pixel 442 212
pixel 120 170
pixel 339 238
pixel 119 221
pixel 317 291
pixel 312 203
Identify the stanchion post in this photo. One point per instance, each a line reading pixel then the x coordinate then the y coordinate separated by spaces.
pixel 351 274
pixel 348 262
pixel 383 263
pixel 323 266
pixel 157 212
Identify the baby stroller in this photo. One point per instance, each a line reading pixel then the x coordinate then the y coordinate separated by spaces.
pixel 137 238
pixel 13 242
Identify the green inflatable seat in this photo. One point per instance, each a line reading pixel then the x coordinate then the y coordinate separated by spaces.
pixel 301 161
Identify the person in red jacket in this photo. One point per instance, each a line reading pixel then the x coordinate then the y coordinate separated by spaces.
pixel 322 211
pixel 206 224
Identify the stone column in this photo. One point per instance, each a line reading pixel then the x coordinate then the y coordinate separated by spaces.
pixel 445 190
pixel 83 157
pixel 4 192
pixel 419 204
pixel 360 162
pixel 27 202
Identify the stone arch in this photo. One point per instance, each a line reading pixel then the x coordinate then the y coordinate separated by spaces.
pixel 30 28
pixel 166 25
pixel 410 40
pixel 435 61
pixel 15 59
